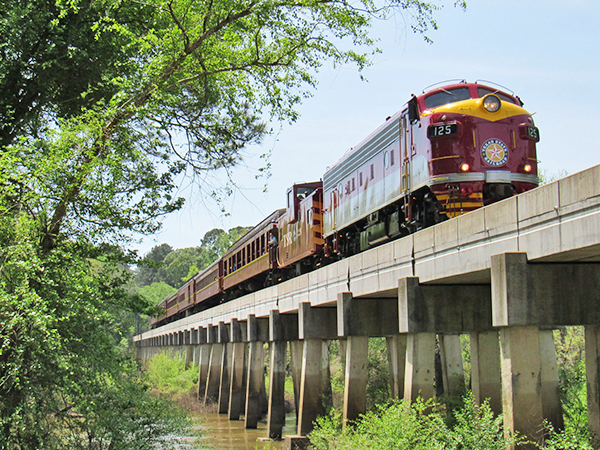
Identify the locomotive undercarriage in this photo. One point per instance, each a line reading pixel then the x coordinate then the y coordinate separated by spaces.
pixel 389 223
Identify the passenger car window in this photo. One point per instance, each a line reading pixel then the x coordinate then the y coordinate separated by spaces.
pixel 445 97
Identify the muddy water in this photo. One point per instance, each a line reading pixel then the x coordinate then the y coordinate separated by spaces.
pixel 219 433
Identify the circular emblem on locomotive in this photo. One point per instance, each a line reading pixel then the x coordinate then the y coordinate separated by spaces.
pixel 494 152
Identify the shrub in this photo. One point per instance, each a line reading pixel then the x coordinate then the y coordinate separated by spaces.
pixel 168 375
pixel 416 426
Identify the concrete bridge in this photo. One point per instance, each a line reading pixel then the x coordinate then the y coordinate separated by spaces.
pixel 506 274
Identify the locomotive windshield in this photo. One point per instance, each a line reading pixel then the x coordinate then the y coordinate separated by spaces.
pixel 445 97
pixel 482 92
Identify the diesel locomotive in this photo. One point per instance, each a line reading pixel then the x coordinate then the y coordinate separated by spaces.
pixel 456 147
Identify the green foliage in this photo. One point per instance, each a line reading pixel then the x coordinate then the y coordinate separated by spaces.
pixel 476 428
pixel 416 426
pixel 102 106
pixel 378 375
pixel 156 292
pixel 167 373
pixel 148 268
pixel 568 439
pixel 65 381
pixel 570 354
pixel 121 96
pixel 177 265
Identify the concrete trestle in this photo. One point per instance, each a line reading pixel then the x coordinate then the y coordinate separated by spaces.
pixel 506 285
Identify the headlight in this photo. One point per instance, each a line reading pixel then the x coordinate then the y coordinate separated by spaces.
pixel 491 103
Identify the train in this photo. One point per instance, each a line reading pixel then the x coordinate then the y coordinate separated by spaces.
pixel 456 147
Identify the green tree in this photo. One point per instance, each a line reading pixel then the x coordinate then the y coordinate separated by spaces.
pixel 178 263
pixel 148 269
pixel 216 242
pixel 192 82
pixel 103 104
pixel 156 292
pixel 65 381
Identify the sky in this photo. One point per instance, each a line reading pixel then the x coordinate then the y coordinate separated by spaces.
pixel 545 51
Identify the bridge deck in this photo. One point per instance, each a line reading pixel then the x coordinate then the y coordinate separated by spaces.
pixel 557 222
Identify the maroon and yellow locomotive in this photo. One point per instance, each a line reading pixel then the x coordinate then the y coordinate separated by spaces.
pixel 451 150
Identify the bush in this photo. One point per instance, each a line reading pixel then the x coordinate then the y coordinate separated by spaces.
pixel 168 375
pixel 569 439
pixel 416 426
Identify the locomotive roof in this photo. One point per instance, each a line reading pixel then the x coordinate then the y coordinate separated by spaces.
pixel 386 134
pixel 485 84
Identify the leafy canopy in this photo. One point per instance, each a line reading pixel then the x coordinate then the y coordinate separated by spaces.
pixel 103 105
pixel 158 84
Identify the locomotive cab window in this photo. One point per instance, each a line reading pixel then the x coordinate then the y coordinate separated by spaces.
pixel 445 97
pixel 303 192
pixel 482 92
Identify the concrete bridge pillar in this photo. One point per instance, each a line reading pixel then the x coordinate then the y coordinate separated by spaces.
pixel 486 379
pixel 282 328
pixel 194 344
pixel 552 408
pixel 237 393
pixel 423 311
pixel 357 320
pixel 355 386
pixel 214 365
pixel 296 353
pixel 419 370
pixel 315 326
pixel 257 335
pixel 396 353
pixel 527 296
pixel 225 378
pixel 521 381
pixel 453 375
pixel 188 354
pixel 203 362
